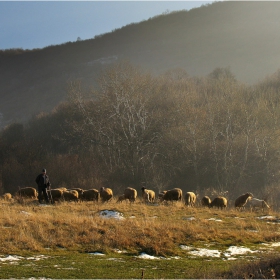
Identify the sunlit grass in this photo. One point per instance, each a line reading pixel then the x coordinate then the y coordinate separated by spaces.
pixel 69 232
pixel 155 229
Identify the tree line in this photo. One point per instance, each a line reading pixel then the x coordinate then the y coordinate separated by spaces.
pixel 136 129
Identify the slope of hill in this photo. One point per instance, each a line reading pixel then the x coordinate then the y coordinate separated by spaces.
pixel 241 35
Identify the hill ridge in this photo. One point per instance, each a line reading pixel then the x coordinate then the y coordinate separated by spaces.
pixel 238 35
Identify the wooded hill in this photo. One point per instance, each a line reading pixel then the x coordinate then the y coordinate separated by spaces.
pixel 240 35
pixel 211 135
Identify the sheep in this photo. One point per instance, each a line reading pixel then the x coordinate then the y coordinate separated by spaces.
pixel 148 195
pixel 205 201
pixel 71 196
pixel 6 196
pixel 190 199
pixel 242 200
pixel 130 194
pixel 106 194
pixel 56 194
pixel 28 192
pixel 171 195
pixel 161 194
pixel 91 194
pixel 62 188
pixel 121 198
pixel 219 202
pixel 79 190
pixel 257 203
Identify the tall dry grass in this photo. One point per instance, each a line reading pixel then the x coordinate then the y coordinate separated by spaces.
pixel 155 229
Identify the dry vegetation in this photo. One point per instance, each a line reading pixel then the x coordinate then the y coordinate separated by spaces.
pixel 154 229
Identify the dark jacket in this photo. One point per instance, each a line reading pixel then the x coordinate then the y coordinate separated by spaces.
pixel 40 181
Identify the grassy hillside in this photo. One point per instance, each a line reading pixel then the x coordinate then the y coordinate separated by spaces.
pixel 74 240
pixel 240 35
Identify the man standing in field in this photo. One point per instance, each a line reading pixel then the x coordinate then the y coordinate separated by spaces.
pixel 43 183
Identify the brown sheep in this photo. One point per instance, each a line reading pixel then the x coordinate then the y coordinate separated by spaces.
pixel 79 190
pixel 91 194
pixel 242 200
pixel 205 201
pixel 106 194
pixel 71 196
pixel 161 194
pixel 57 194
pixel 172 195
pixel 6 196
pixel 130 194
pixel 219 202
pixel 28 192
pixel 148 195
pixel 121 198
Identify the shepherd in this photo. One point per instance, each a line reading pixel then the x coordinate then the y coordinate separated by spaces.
pixel 43 183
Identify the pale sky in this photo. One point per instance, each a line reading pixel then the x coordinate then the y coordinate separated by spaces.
pixel 37 24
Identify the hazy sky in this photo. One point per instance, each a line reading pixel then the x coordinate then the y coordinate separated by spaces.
pixel 37 24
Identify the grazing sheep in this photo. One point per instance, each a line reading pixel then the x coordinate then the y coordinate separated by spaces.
pixel 91 194
pixel 79 190
pixel 106 194
pixel 242 200
pixel 27 192
pixel 148 195
pixel 63 189
pixel 190 199
pixel 161 194
pixel 205 201
pixel 171 195
pixel 6 196
pixel 257 203
pixel 130 194
pixel 121 198
pixel 71 196
pixel 57 194
pixel 219 202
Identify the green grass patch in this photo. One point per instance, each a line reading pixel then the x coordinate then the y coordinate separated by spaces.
pixel 73 265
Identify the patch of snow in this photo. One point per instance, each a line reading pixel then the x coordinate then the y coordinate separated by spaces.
pixel 25 213
pixel 184 247
pixel 266 217
pixel 37 258
pixel 214 219
pixel 206 253
pixel 115 259
pixel 10 258
pixel 234 250
pixel 119 251
pixel 189 218
pixel 97 254
pixel 40 278
pixel 231 251
pixel 275 244
pixel 230 259
pixel 147 257
pixel 111 214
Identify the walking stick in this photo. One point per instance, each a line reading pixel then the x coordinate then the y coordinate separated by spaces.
pixel 50 194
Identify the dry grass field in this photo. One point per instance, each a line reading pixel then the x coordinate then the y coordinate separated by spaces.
pixel 157 230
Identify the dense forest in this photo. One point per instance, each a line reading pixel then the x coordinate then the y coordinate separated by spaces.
pixel 203 134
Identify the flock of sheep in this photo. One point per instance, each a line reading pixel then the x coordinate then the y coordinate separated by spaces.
pixel 149 196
